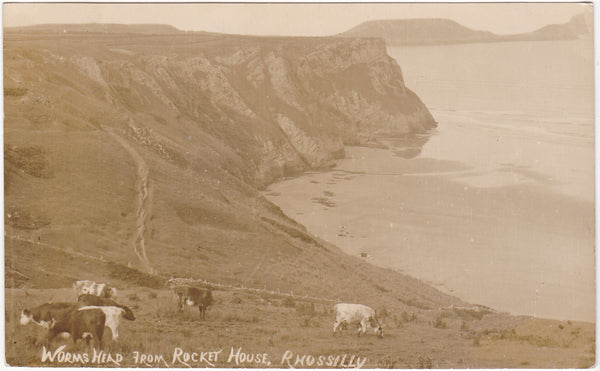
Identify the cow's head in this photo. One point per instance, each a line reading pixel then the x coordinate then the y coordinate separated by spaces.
pixel 26 317
pixel 379 331
pixel 128 313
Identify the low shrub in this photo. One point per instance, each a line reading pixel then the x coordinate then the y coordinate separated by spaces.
pixel 386 362
pixel 439 323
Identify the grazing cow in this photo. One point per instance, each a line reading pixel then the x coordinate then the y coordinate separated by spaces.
pixel 92 300
pixel 64 317
pixel 193 296
pixel 93 288
pixel 357 314
pixel 48 315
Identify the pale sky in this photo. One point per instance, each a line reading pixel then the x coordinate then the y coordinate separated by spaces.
pixel 293 19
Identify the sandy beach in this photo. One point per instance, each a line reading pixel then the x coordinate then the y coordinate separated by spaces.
pixel 514 231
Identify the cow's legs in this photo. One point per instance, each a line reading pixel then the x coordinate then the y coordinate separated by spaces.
pixel 180 303
pixel 99 333
pixel 202 312
pixel 362 328
pixel 115 332
pixel 336 326
pixel 339 325
pixel 51 335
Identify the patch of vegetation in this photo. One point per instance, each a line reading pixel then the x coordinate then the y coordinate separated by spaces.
pixel 288 303
pixel 404 318
pixel 539 341
pixel 306 309
pixel 386 362
pixel 134 276
pixel 147 137
pixel 424 361
pixel 414 303
pixel 14 92
pixel 293 232
pixel 381 288
pixel 239 317
pixel 512 335
pixel 472 313
pixel 13 278
pixel 439 323
pixel 210 215
pixel 383 312
pixel 24 220
pixel 592 347
pixel 31 160
pixel 409 317
pixel 305 322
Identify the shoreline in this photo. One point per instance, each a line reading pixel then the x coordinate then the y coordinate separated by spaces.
pixel 430 222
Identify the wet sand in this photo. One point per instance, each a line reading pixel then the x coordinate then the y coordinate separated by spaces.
pixel 505 231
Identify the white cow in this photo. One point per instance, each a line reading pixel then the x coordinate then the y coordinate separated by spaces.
pixel 357 314
pixel 113 314
pixel 93 288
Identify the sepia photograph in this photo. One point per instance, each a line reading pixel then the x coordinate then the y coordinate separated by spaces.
pixel 400 185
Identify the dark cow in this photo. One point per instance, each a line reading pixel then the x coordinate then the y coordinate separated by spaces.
pixel 86 323
pixel 65 317
pixel 193 296
pixel 87 300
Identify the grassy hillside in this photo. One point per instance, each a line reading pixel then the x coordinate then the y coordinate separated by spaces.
pixel 290 331
pixel 143 151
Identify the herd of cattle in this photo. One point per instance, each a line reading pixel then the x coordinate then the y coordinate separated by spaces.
pixel 96 309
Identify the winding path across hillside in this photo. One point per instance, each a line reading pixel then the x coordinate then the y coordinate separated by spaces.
pixel 143 200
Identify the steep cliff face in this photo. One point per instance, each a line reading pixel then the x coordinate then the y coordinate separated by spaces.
pixel 146 149
pixel 296 101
